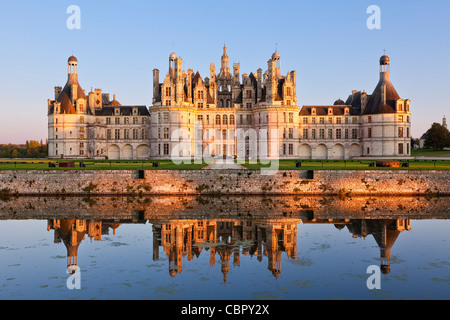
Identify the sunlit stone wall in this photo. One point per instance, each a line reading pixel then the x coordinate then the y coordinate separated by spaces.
pixel 222 182
pixel 135 209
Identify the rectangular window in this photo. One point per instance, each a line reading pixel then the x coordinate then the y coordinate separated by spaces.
pixel 346 134
pixel 305 120
pixel 108 134
pixel 135 134
pixel 126 120
pixel 400 132
pixel 313 120
pixel 313 133
pixel 135 120
pixel 330 120
pixel 354 120
pixel 369 133
pixel 126 133
pixel 354 133
pixel 291 149
pixel 166 148
pixel 117 120
pixel 330 133
pixel 117 134
pixel 338 133
pixel 108 120
pixel 400 148
pixel 321 120
pixel 166 133
pixel 321 133
pixel 81 119
pixel 369 119
pixel 291 133
pixel 144 134
pixel 165 117
pixel 305 133
pixel 291 117
pixel 400 118
pixel 339 120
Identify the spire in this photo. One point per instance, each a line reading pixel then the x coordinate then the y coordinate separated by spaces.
pixel 225 70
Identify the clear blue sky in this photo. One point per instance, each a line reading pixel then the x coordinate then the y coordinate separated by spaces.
pixel 121 42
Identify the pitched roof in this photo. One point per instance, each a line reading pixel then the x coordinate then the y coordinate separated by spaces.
pixel 66 95
pixel 124 111
pixel 323 110
pixel 375 105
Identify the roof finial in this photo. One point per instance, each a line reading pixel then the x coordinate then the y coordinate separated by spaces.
pixel 276 47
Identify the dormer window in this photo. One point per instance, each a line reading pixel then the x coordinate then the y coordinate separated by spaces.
pixel 116 111
pixel 330 111
pixel 313 111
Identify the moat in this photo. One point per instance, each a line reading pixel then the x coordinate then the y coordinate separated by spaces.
pixel 229 247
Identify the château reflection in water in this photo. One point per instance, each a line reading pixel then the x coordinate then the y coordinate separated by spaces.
pixel 225 240
pixel 277 247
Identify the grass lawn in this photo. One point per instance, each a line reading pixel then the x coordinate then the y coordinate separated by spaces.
pixel 28 164
pixel 350 165
pixel 430 153
pixel 42 164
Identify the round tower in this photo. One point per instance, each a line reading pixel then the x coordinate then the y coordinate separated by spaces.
pixel 72 65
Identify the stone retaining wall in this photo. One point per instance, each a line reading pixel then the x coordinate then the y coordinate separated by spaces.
pixel 223 182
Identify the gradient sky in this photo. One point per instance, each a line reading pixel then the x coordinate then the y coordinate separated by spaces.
pixel 121 42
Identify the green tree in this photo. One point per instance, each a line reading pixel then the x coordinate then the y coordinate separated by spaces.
pixel 15 154
pixel 438 137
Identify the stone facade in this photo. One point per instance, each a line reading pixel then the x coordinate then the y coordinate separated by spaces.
pixel 227 114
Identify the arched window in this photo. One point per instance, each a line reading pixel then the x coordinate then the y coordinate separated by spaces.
pixel 224 119
pixel 218 119
pixel 232 119
pixel 228 103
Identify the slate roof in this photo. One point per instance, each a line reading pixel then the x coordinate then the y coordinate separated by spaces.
pixel 375 105
pixel 124 111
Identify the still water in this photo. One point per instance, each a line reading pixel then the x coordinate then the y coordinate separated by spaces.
pixel 229 248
